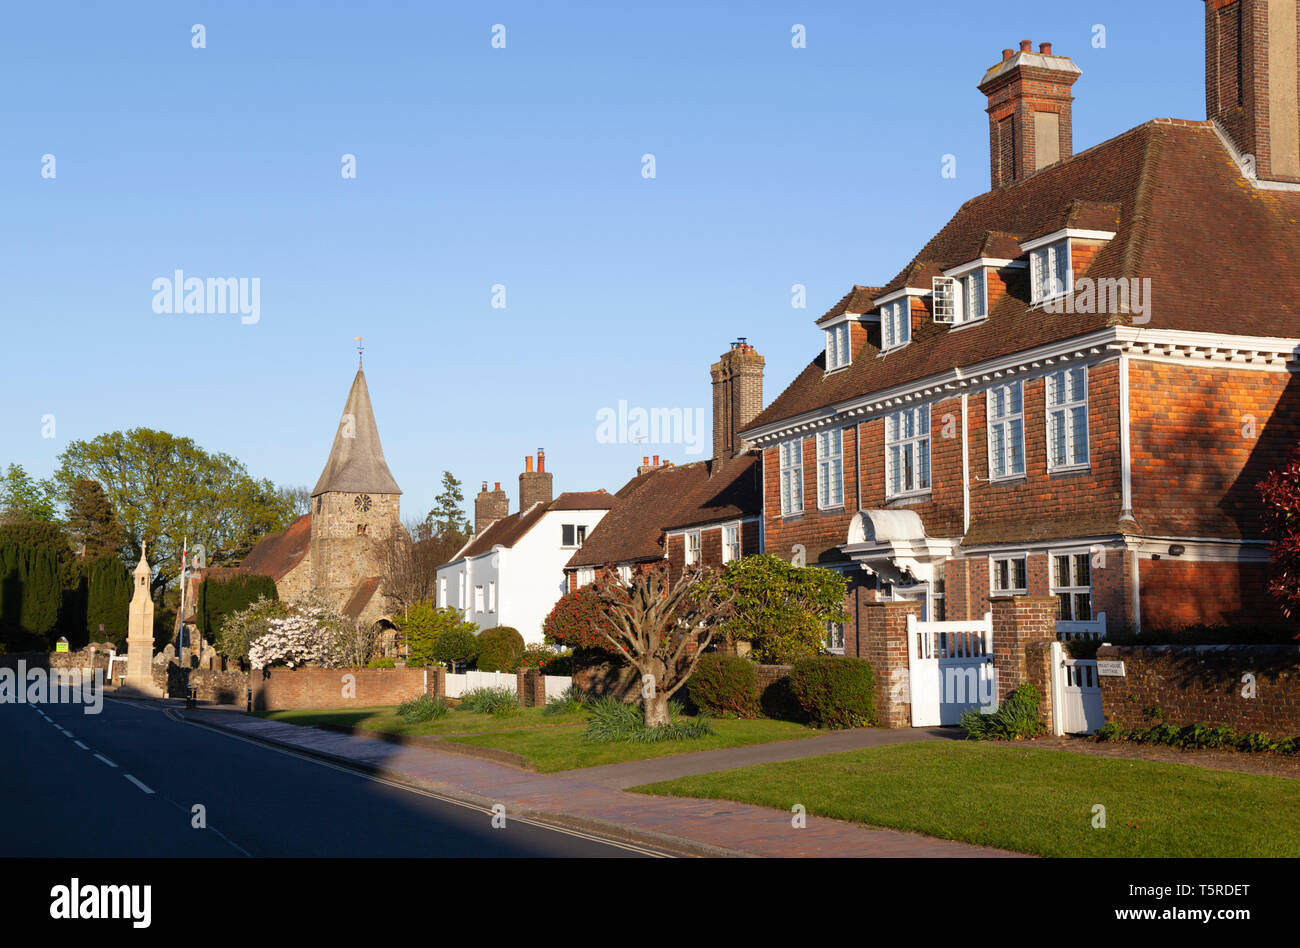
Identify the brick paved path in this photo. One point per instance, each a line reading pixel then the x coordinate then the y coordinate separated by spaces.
pixel 588 799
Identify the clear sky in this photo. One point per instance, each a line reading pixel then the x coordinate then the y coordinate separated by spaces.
pixel 477 166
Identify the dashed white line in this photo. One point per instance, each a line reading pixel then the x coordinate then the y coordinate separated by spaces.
pixel 81 745
pixel 106 760
pixel 137 783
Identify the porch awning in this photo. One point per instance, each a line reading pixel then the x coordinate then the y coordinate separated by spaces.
pixel 893 544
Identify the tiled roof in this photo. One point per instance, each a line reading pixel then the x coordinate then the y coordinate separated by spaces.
pixel 669 497
pixel 1220 254
pixel 277 554
pixel 510 530
pixel 356 463
pixel 860 299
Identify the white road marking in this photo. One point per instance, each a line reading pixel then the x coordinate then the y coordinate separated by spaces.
pixel 137 783
pixel 425 793
pixel 106 760
pixel 81 745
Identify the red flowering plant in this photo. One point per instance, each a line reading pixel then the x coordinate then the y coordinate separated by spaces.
pixel 537 657
pixel 576 621
pixel 1280 491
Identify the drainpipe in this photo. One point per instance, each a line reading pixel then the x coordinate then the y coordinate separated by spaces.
pixel 965 472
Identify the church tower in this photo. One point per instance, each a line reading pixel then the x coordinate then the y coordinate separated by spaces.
pixel 356 507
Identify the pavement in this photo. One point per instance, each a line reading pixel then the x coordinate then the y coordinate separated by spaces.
pixel 594 799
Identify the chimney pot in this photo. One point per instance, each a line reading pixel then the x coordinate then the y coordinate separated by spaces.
pixel 485 485
pixel 498 487
pixel 528 464
pixel 541 461
pixel 1030 115
pixel 1007 54
pixel 645 461
pixel 1026 46
pixel 1045 48
pixel 656 460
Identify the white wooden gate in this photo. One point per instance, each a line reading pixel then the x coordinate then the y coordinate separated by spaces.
pixel 1076 694
pixel 1069 630
pixel 950 669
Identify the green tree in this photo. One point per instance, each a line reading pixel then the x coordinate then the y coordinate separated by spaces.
pixel 446 529
pixel 422 627
pixel 23 497
pixel 92 521
pixel 221 596
pixel 108 599
pixel 31 594
pixel 456 646
pixel 167 489
pixel 782 609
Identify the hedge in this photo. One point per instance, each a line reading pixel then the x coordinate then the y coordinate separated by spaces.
pixel 499 649
pixel 725 686
pixel 835 691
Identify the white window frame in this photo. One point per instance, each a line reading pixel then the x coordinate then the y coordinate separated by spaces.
pixel 1074 590
pixel 492 595
pixel 838 339
pixel 442 592
pixel 586 576
pixel 1006 422
pixel 790 460
pixel 917 441
pixel 625 575
pixel 830 469
pixel 978 277
pixel 993 574
pixel 478 598
pixel 895 315
pixel 1040 259
pixel 834 632
pixel 691 545
pixel 579 535
pixel 1066 408
pixel 945 291
pixel 732 547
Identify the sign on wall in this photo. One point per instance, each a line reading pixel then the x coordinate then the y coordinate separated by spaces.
pixel 1110 669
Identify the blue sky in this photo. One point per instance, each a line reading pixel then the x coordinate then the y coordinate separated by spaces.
pixel 478 166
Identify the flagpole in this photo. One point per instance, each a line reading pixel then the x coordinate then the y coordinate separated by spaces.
pixel 180 632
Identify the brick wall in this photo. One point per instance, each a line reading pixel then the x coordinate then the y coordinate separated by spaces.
pixel 276 689
pixel 1177 592
pixel 883 642
pixel 774 694
pixel 1019 622
pixel 1203 684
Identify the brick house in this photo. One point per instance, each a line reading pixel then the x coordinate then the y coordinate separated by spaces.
pixel 1073 388
pixel 706 513
pixel 511 572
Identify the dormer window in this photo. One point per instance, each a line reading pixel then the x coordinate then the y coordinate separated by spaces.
pixel 1050 271
pixel 837 347
pixel 961 299
pixel 896 323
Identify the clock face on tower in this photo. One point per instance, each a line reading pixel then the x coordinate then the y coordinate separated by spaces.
pixel 362 502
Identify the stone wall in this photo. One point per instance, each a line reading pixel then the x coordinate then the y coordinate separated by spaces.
pixel 1205 684
pixel 221 687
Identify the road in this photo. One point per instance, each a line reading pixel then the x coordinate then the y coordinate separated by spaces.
pixel 125 783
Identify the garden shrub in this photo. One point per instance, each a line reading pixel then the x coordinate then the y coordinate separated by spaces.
pixel 501 702
pixel 499 649
pixel 725 686
pixel 835 691
pixel 455 646
pixel 381 663
pixel 567 702
pixel 424 708
pixel 1198 737
pixel 1015 718
pixel 614 720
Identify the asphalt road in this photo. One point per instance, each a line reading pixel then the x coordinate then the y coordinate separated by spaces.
pixel 124 783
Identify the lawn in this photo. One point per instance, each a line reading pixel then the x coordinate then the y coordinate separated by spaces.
pixel 1032 801
pixel 456 722
pixel 562 748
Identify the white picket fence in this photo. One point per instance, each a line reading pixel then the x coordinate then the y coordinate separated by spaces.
pixel 457 685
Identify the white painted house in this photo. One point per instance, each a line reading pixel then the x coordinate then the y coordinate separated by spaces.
pixel 512 571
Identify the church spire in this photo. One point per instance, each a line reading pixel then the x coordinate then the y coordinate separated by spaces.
pixel 356 463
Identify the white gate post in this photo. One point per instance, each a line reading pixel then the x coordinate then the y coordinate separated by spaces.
pixel 1058 690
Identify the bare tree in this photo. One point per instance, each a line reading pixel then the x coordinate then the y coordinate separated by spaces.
pixel 662 627
pixel 410 568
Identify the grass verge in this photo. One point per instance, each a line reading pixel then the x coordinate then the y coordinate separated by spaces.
pixel 1032 801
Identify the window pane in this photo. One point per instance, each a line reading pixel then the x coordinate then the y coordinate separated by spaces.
pixel 1021 578
pixel 1079 432
pixel 1082 570
pixel 566 535
pixel 1061 571
pixel 1017 436
pixel 923 449
pixel 1063 606
pixel 998 450
pixel 1082 607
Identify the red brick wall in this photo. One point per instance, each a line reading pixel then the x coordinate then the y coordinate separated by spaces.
pixel 276 689
pixel 1204 685
pixel 1194 472
pixel 1177 592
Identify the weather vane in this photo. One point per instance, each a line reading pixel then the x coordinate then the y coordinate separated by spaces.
pixel 360 352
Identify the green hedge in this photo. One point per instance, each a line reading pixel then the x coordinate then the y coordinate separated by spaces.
pixel 499 649
pixel 725 686
pixel 835 691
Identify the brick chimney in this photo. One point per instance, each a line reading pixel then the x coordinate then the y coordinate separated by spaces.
pixel 647 465
pixel 1252 81
pixel 1030 124
pixel 737 396
pixel 489 507
pixel 535 486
